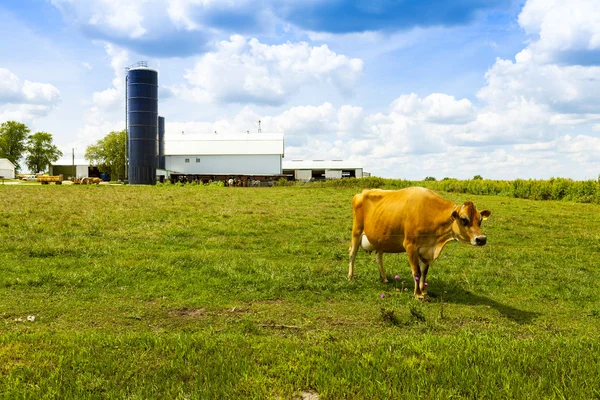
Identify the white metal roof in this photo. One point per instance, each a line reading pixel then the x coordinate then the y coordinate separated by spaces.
pixel 320 164
pixel 6 163
pixel 142 67
pixel 219 144
pixel 69 161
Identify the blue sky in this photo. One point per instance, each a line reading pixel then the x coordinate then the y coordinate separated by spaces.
pixel 407 88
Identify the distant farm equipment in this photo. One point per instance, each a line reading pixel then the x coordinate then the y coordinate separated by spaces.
pixel 47 179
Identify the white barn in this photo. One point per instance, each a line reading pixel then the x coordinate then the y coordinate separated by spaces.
pixel 306 170
pixel 252 154
pixel 7 168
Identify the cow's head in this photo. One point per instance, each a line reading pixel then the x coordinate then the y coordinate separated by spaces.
pixel 466 226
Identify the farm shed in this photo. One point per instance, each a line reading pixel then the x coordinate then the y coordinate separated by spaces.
pixel 306 170
pixel 68 168
pixel 7 168
pixel 252 154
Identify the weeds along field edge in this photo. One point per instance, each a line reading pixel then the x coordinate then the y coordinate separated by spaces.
pixel 534 189
pixel 204 292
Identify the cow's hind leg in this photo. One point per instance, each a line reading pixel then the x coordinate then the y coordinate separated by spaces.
pixel 353 250
pixel 357 230
pixel 356 237
pixel 379 257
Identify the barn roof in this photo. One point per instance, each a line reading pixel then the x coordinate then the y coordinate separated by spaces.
pixel 320 164
pixel 220 144
pixel 69 161
pixel 5 163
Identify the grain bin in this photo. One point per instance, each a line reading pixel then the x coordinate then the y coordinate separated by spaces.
pixel 142 116
pixel 161 142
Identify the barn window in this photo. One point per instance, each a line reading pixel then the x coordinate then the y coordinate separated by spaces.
pixel 197 160
pixel 187 160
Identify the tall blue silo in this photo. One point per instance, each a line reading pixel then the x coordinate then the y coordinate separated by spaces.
pixel 142 116
pixel 161 142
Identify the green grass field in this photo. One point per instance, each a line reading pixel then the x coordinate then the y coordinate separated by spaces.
pixel 225 293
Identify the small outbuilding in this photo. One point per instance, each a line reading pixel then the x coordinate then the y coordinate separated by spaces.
pixel 7 168
pixel 70 168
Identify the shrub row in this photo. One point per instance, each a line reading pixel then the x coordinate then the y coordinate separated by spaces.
pixel 551 189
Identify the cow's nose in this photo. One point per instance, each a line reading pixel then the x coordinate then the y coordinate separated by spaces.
pixel 480 240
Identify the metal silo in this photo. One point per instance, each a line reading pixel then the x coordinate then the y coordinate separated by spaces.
pixel 142 116
pixel 161 142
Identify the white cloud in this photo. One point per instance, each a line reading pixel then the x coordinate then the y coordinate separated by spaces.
pixel 565 29
pixel 97 125
pixel 552 84
pixel 98 119
pixel 13 91
pixel 564 88
pixel 25 113
pixel 351 122
pixel 114 96
pixel 180 12
pixel 119 17
pixel 247 71
pixel 436 108
pixel 582 149
pixel 547 91
pixel 25 101
pixel 520 121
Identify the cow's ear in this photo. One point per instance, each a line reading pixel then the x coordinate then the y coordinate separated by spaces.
pixel 455 215
pixel 486 213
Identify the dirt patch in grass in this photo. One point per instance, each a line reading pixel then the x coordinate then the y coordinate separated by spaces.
pixel 188 312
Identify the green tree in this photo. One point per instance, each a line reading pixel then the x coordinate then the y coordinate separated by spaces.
pixel 41 152
pixel 477 177
pixel 13 136
pixel 108 154
pixel 429 178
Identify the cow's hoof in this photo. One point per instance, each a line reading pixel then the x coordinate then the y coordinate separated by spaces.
pixel 349 277
pixel 420 297
pixel 385 280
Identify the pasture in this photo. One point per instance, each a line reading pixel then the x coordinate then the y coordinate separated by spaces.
pixel 224 293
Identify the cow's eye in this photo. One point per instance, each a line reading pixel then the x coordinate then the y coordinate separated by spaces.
pixel 465 221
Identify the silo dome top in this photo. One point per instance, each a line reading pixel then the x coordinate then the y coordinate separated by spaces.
pixel 141 69
pixel 140 65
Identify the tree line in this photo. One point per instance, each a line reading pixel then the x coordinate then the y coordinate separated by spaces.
pixel 108 154
pixel 39 150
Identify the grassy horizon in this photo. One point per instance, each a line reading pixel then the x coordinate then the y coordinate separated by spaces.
pixel 210 292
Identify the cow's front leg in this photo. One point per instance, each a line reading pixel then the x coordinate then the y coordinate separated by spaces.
pixel 379 257
pixel 424 266
pixel 413 259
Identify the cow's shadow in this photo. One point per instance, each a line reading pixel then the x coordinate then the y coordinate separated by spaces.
pixel 454 294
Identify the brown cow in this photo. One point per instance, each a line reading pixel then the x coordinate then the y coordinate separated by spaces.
pixel 414 220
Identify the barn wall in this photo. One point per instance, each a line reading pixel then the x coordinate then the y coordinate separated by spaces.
pixel 225 164
pixel 7 173
pixel 7 169
pixel 303 175
pixel 333 174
